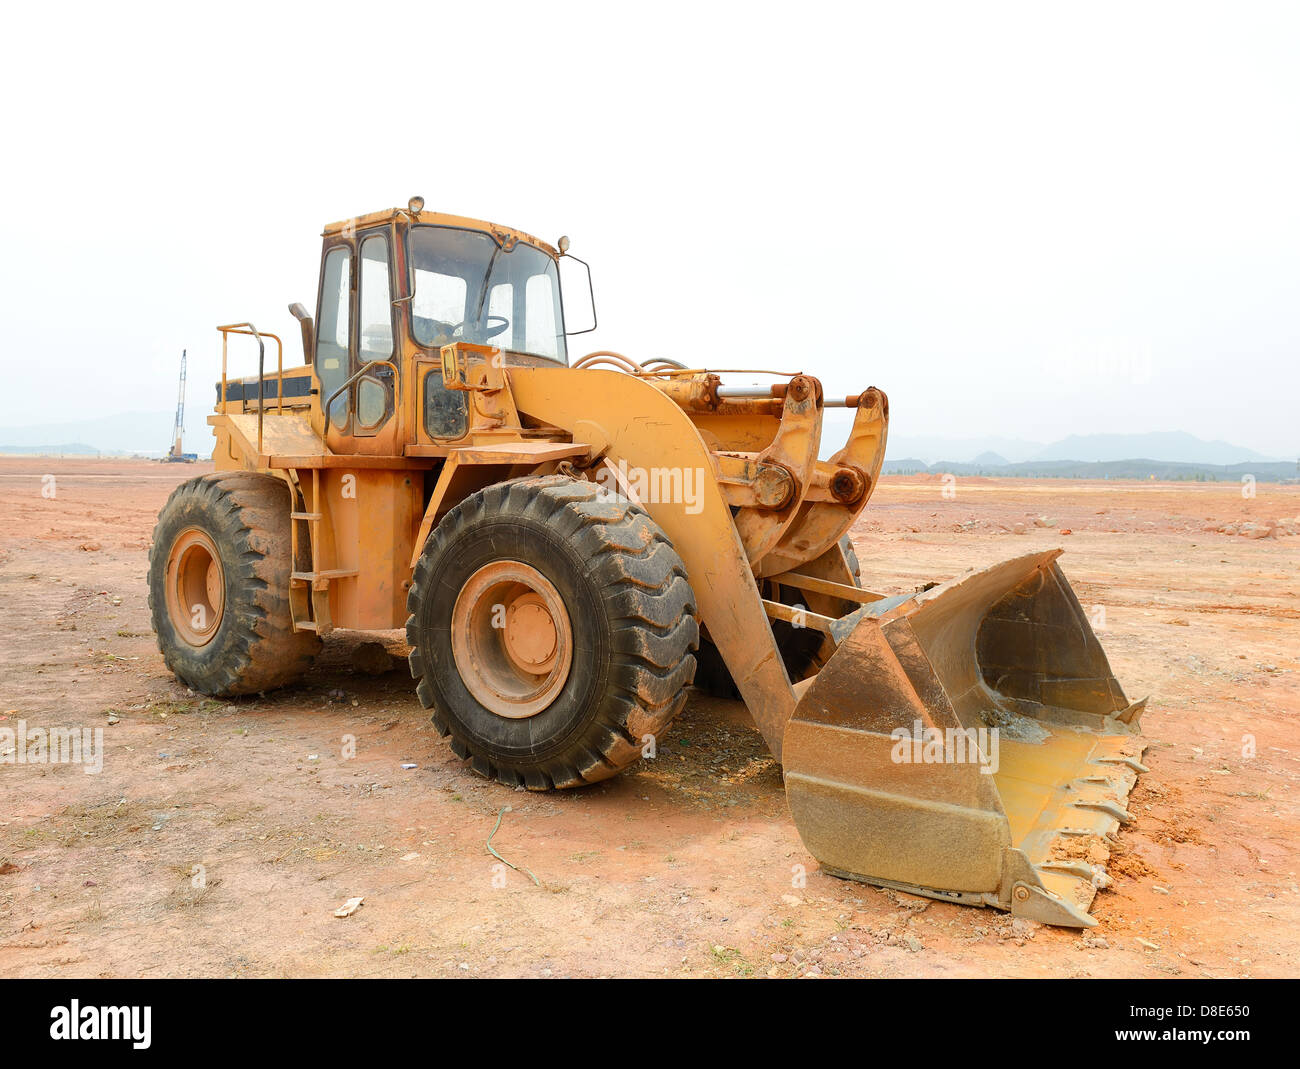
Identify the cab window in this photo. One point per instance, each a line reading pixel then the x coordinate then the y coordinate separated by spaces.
pixel 471 287
pixel 333 330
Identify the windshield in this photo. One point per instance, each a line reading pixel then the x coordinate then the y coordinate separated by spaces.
pixel 469 288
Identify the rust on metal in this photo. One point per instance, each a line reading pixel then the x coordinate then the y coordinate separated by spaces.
pixel 195 586
pixel 511 639
pixel 1004 663
pixel 757 519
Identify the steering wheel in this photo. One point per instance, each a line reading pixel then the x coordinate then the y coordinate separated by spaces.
pixel 490 331
pixel 448 330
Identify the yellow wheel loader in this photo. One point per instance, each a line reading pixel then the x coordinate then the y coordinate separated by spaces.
pixel 564 541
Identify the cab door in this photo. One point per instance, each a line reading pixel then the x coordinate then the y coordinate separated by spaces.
pixel 355 328
pixel 373 393
pixel 333 360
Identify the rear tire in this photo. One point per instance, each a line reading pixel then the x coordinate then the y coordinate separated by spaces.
pixel 625 610
pixel 219 586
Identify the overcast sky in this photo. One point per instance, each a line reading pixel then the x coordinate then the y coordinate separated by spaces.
pixel 1018 220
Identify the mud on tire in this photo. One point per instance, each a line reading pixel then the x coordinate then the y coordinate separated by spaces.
pixel 629 605
pixel 245 518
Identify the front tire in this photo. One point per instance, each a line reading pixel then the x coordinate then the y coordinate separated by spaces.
pixel 552 629
pixel 219 586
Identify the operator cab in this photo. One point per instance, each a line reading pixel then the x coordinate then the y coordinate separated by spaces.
pixel 397 286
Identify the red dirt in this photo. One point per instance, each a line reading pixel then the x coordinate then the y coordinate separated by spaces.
pixel 686 865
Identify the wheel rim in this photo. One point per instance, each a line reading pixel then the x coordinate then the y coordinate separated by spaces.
pixel 196 587
pixel 511 639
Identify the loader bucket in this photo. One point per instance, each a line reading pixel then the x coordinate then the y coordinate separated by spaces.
pixel 968 743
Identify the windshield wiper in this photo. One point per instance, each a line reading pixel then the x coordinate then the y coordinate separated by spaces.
pixel 483 287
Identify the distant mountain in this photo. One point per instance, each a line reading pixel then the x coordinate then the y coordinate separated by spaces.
pixel 905 466
pixel 1139 468
pixel 1177 446
pixel 1159 455
pixel 126 432
pixel 929 448
pixel 67 449
pixel 1008 450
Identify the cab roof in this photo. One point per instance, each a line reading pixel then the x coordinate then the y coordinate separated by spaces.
pixel 431 218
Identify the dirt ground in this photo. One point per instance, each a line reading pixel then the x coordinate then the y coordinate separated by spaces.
pixel 220 837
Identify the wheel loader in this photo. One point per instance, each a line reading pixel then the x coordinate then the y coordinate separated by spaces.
pixel 571 542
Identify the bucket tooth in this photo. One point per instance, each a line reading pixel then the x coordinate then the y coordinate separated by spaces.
pixel 1094 874
pixel 1133 714
pixel 1113 808
pixel 1135 765
pixel 968 742
pixel 1041 905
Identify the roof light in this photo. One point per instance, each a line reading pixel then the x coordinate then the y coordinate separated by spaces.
pixel 564 244
pixel 416 204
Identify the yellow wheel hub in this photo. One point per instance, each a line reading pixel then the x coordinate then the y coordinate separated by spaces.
pixel 511 639
pixel 195 587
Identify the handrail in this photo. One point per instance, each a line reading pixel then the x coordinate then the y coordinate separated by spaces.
pixel 252 331
pixel 329 401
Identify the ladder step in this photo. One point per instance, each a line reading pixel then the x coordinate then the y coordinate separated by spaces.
pixel 331 573
pixel 306 625
pixel 304 515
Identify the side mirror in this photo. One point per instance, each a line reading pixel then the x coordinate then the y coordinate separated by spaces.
pixel 456 374
pixel 308 331
pixel 572 281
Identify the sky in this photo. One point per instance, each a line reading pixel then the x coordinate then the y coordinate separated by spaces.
pixel 1019 220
